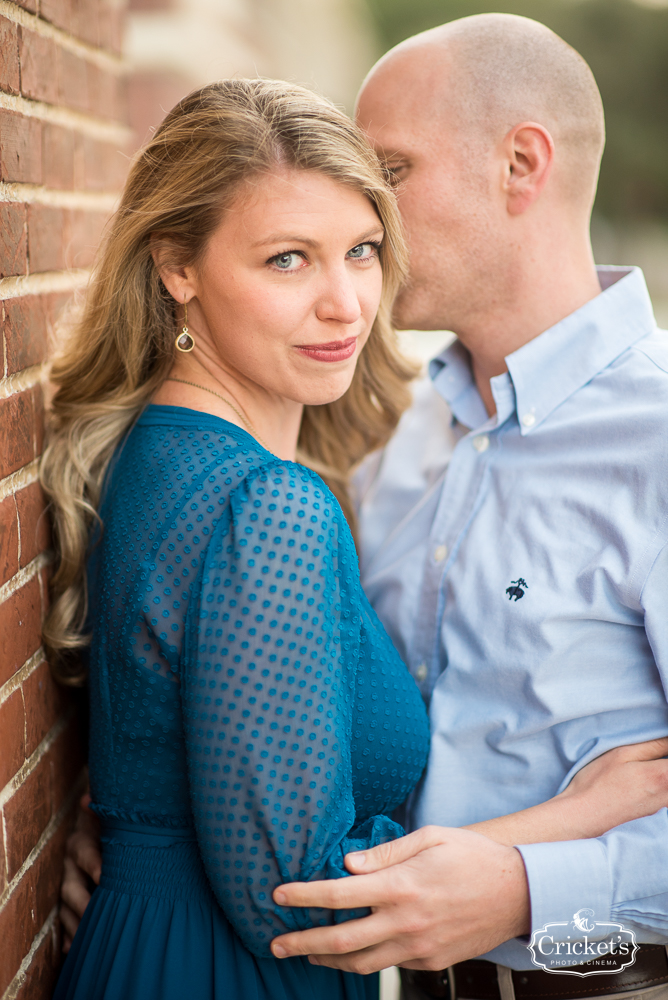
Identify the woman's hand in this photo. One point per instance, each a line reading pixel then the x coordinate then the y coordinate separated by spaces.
pixel 620 785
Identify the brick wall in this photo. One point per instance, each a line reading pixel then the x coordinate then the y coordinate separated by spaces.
pixel 63 157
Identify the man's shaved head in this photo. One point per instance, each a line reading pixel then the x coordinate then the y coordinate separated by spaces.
pixel 494 128
pixel 508 69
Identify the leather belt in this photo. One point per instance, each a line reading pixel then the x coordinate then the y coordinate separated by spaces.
pixel 477 979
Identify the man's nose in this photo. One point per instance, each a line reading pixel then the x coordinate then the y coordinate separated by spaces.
pixel 338 299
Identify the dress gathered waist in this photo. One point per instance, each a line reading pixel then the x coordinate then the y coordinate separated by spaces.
pixel 156 862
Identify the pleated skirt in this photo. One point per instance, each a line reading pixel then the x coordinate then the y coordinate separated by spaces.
pixel 154 931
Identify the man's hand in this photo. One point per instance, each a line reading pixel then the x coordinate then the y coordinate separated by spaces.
pixel 83 862
pixel 438 896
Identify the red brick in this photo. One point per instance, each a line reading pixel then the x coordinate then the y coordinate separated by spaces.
pixel 20 628
pixel 46 229
pixel 33 522
pixel 152 5
pixel 13 241
pixel 150 96
pixel 37 400
pixel 44 703
pixel 45 585
pixel 20 148
pixel 99 166
pixel 110 26
pixel 85 21
pixel 30 904
pixel 106 93
pixel 43 972
pixel 57 157
pixel 9 539
pixel 58 12
pixel 9 57
pixel 12 742
pixel 72 81
pixel 85 231
pixel 66 762
pixel 25 328
pixel 3 867
pixel 27 814
pixel 39 73
pixel 16 442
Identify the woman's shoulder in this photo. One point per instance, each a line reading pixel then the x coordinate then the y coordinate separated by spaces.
pixel 284 497
pixel 178 463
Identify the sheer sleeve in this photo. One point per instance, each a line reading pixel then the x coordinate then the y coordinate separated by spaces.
pixel 271 654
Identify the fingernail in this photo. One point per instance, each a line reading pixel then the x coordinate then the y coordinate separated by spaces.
pixel 279 951
pixel 280 897
pixel 359 860
pixel 313 960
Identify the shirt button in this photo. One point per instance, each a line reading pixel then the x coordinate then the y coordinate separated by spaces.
pixel 421 672
pixel 440 552
pixel 481 442
pixel 528 420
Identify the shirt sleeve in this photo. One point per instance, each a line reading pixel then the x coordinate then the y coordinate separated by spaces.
pixel 271 654
pixel 623 875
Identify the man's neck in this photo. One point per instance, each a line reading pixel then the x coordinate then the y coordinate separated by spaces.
pixel 504 330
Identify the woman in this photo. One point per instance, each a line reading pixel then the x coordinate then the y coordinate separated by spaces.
pixel 250 720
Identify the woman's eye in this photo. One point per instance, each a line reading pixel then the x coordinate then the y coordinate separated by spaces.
pixel 288 261
pixel 364 251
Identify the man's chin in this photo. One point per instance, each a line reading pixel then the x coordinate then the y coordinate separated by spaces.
pixel 413 311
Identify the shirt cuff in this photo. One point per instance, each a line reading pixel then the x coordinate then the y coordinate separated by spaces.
pixel 564 878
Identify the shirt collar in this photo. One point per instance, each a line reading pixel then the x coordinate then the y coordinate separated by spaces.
pixel 554 365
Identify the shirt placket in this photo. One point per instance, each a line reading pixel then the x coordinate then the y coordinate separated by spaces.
pixel 463 491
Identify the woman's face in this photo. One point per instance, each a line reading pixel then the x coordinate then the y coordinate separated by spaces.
pixel 289 286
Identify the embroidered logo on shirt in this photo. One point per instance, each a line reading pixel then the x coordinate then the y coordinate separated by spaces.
pixel 515 590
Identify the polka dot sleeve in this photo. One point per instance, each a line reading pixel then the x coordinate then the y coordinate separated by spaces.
pixel 270 661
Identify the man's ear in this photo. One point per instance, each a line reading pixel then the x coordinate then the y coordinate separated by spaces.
pixel 177 279
pixel 529 155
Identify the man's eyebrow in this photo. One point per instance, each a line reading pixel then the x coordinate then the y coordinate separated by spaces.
pixel 296 238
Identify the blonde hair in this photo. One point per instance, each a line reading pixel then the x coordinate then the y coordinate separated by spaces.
pixel 122 348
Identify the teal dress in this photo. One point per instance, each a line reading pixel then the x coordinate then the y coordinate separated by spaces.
pixel 251 722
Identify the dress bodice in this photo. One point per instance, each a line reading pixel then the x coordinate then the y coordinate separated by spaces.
pixel 240 681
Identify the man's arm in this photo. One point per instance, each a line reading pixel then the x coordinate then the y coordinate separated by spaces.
pixel 441 895
pixel 83 864
pixel 627 868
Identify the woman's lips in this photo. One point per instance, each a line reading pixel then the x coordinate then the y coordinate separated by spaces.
pixel 337 350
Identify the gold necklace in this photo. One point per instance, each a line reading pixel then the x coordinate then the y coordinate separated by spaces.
pixel 242 417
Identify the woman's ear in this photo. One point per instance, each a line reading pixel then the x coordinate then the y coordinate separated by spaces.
pixel 529 153
pixel 177 279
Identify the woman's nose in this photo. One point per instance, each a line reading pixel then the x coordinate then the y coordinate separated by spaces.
pixel 338 299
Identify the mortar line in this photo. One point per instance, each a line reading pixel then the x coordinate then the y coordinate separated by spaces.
pixel 96 128
pixel 92 53
pixel 37 194
pixel 22 674
pixel 24 575
pixel 43 282
pixel 18 480
pixel 45 837
pixel 31 763
pixel 20 381
pixel 19 979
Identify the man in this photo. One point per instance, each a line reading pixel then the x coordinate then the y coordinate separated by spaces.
pixel 525 584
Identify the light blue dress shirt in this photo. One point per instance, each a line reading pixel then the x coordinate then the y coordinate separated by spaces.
pixel 520 564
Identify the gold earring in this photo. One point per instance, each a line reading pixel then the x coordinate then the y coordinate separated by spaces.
pixel 185 340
